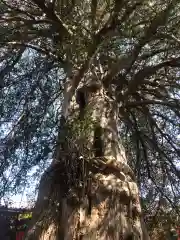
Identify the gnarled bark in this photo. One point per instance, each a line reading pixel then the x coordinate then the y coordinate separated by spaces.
pixel 91 196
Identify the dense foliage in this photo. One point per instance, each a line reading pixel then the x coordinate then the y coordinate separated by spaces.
pixel 132 46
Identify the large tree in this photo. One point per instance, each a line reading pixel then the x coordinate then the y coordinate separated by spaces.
pixel 94 86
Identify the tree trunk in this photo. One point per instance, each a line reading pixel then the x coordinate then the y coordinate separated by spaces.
pixel 89 191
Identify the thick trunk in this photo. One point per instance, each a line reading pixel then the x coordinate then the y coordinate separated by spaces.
pixel 89 191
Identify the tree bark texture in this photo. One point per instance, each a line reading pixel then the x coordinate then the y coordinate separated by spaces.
pixel 89 191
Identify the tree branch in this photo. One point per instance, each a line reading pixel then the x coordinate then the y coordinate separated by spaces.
pixel 128 61
pixel 147 72
pixel 38 49
pixel 154 102
pixel 51 15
